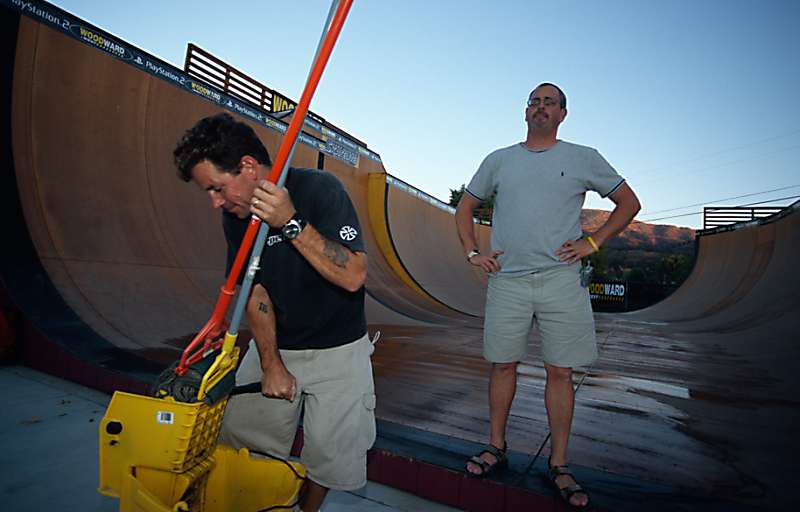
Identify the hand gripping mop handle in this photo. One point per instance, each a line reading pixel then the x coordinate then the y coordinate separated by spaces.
pixel 263 230
pixel 202 344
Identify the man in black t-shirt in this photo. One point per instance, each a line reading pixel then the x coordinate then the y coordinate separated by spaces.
pixel 306 309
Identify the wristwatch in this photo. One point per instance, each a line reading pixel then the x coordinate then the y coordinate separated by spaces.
pixel 293 227
pixel 473 252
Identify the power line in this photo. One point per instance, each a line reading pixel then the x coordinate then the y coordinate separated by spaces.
pixel 724 199
pixel 767 201
pixel 740 206
pixel 672 217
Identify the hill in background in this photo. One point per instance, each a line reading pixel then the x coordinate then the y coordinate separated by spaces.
pixel 641 236
pixel 654 259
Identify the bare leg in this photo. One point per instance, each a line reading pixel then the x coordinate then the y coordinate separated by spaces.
pixel 502 387
pixel 559 400
pixel 313 495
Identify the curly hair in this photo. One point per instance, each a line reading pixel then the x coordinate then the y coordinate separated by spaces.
pixel 220 139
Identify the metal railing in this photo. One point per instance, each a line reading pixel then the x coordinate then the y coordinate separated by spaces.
pixel 717 216
pixel 203 65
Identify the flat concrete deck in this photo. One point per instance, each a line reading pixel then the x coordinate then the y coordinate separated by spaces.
pixel 49 452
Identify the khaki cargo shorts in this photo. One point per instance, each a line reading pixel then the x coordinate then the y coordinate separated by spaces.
pixel 561 307
pixel 337 396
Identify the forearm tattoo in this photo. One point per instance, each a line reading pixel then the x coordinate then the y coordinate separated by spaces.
pixel 263 307
pixel 336 253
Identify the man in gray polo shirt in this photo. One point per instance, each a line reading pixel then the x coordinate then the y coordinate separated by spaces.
pixel 534 267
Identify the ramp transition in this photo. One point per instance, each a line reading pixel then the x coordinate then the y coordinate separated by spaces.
pixel 115 264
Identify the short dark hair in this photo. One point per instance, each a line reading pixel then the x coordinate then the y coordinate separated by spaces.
pixel 561 96
pixel 220 139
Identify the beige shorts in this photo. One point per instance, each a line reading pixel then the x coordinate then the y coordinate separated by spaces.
pixel 563 313
pixel 337 396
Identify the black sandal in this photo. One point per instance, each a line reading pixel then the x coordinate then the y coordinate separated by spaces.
pixel 487 467
pixel 569 491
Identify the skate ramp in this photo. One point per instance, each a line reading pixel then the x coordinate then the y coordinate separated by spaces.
pixel 423 234
pixel 742 280
pixel 135 252
pixel 118 262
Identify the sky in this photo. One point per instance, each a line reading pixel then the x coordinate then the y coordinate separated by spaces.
pixel 696 103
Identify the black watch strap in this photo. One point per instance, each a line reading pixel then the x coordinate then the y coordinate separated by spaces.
pixel 293 227
pixel 297 218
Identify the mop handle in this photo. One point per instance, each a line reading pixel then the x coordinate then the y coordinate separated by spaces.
pixel 263 230
pixel 213 326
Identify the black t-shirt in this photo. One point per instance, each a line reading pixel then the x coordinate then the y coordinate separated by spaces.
pixel 310 311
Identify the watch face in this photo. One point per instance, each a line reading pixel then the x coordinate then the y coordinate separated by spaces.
pixel 291 230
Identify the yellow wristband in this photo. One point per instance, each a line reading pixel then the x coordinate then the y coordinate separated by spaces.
pixel 593 244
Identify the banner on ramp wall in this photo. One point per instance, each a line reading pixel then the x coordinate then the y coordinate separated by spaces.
pixel 336 145
pixel 609 295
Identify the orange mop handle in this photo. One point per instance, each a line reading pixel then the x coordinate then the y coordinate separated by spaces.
pixel 216 323
pixel 311 86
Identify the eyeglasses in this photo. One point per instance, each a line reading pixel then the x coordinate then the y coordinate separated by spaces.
pixel 548 102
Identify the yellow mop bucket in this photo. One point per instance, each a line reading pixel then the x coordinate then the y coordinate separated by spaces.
pixel 161 455
pixel 174 432
pixel 243 482
pixel 165 444
pixel 226 481
pixel 140 431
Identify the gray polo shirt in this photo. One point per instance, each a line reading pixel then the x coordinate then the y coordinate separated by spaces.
pixel 539 199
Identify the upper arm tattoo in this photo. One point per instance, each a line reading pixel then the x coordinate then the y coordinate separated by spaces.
pixel 263 307
pixel 336 253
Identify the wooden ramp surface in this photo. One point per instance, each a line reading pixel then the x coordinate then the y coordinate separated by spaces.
pixel 695 394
